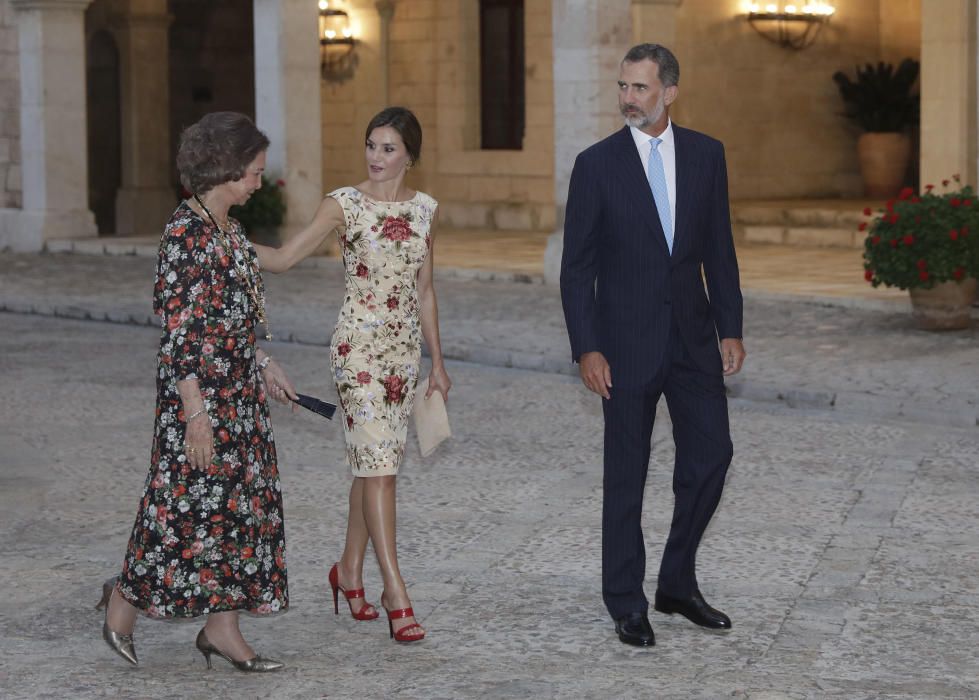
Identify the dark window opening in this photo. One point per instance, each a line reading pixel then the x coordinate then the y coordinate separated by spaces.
pixel 501 73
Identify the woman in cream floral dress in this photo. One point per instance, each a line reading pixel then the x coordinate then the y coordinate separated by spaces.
pixel 385 233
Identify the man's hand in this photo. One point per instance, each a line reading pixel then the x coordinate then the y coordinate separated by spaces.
pixel 732 355
pixel 595 373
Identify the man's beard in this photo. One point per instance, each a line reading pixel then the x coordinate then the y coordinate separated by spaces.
pixel 639 119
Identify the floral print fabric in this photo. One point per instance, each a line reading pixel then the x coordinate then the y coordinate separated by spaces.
pixel 208 540
pixel 376 345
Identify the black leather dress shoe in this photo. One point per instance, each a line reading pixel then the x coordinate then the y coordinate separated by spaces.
pixel 635 629
pixel 695 609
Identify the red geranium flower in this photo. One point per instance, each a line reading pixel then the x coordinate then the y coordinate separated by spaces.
pixel 944 183
pixel 922 264
pixel 875 240
pixel 867 211
pixel 868 275
pixel 923 275
pixel 862 226
pixel 958 273
pixel 953 234
pixel 892 218
pixel 966 202
pixel 893 243
pixel 908 240
pixel 929 188
pixel 906 192
pixel 955 201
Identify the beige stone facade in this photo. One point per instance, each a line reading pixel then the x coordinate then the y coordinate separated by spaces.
pixel 777 110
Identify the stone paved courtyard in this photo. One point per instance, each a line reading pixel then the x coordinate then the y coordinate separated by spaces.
pixel 846 548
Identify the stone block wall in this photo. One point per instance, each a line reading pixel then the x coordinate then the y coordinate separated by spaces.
pixel 10 178
pixel 778 110
pixel 434 71
pixel 348 106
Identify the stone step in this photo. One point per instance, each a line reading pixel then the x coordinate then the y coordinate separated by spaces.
pixel 819 223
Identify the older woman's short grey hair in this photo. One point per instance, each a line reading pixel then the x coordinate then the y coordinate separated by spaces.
pixel 218 149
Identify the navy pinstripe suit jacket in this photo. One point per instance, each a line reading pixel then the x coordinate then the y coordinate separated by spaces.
pixel 620 286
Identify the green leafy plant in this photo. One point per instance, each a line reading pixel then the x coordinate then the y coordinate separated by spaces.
pixel 265 209
pixel 920 241
pixel 881 99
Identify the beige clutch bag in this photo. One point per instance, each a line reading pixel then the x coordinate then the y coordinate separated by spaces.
pixel 431 420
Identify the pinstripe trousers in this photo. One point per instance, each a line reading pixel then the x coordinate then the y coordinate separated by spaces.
pixel 701 432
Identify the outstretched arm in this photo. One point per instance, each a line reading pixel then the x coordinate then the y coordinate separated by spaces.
pixel 328 217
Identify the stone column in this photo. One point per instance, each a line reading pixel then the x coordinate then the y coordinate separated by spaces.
pixel 145 200
pixel 51 40
pixel 287 102
pixel 948 90
pixel 590 40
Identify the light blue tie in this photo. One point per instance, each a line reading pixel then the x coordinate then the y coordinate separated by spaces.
pixel 657 183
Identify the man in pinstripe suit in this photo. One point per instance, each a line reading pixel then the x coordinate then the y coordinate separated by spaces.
pixel 647 210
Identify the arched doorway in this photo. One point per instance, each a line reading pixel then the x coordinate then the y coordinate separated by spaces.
pixel 104 129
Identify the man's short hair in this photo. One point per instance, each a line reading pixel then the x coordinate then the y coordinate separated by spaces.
pixel 669 67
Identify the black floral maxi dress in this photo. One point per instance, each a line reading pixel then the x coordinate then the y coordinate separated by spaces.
pixel 208 540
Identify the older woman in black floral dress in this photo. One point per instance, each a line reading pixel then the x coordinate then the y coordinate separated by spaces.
pixel 209 533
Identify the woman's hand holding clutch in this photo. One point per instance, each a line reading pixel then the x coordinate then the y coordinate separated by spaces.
pixel 439 381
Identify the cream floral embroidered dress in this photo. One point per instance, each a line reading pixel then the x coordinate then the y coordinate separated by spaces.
pixel 376 346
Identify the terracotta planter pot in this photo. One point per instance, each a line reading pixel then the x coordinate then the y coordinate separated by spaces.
pixel 944 307
pixel 884 160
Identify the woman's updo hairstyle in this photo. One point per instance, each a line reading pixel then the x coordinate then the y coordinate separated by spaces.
pixel 405 123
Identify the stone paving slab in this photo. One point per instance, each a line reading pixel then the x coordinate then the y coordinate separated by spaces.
pixel 844 548
pixel 803 354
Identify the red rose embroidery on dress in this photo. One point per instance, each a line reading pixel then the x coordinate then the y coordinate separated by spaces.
pixel 396 229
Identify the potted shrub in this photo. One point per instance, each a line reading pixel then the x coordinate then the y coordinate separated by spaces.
pixel 264 212
pixel 929 245
pixel 882 101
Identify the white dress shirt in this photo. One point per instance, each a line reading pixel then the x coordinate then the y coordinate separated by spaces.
pixel 667 151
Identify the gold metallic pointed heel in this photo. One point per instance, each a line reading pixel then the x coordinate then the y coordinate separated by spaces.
pixel 256 664
pixel 107 587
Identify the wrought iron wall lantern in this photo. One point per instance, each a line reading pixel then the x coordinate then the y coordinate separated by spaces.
pixel 793 26
pixel 338 57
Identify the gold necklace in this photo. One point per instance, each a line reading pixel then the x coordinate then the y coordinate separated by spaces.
pixel 249 276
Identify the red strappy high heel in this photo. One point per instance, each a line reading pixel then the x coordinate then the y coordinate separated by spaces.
pixel 350 595
pixel 406 633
